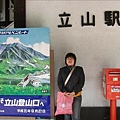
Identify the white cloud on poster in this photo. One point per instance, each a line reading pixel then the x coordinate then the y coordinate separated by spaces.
pixel 40 47
pixel 13 40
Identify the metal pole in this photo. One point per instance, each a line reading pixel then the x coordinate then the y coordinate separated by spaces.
pixel 112 109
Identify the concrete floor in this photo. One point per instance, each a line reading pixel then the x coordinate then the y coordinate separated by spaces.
pixel 23 119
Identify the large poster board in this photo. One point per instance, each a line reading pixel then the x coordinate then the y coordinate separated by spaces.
pixel 25 72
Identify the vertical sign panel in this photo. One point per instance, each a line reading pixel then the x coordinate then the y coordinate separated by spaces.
pixel 25 72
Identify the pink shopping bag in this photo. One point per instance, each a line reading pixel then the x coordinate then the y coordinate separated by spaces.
pixel 64 104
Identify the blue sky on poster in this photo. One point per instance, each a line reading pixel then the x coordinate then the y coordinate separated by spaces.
pixel 37 38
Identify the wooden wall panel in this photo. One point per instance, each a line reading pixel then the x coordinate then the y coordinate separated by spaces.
pixel 19 13
pixel 52 94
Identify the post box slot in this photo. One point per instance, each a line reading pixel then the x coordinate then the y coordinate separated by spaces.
pixel 114 73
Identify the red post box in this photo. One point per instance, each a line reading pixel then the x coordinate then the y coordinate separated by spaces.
pixel 111 83
pixel 111 88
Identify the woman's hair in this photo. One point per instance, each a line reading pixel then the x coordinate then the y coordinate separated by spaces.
pixel 72 55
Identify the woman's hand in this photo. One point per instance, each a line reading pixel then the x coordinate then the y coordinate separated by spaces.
pixel 72 94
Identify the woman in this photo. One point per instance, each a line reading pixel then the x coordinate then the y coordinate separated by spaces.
pixel 74 86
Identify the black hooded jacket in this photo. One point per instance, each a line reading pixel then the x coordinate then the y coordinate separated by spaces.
pixel 76 81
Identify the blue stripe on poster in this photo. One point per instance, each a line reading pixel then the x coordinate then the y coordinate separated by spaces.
pixel 25 106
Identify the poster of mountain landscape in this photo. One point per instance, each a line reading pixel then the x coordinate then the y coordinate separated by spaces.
pixel 25 72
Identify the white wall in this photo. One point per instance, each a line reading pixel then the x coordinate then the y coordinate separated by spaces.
pixel 95 47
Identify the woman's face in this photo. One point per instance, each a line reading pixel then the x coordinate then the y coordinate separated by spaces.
pixel 70 61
